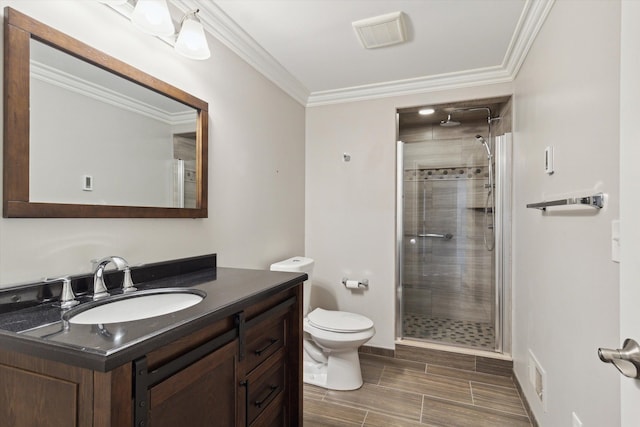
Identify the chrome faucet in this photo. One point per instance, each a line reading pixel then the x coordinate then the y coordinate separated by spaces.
pixel 99 288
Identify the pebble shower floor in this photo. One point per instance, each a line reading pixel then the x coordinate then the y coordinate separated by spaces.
pixel 468 333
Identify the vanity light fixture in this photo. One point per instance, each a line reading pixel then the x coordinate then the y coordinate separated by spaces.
pixel 426 111
pixel 191 41
pixel 153 17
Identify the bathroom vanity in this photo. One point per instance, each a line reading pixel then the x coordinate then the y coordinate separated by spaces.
pixel 233 359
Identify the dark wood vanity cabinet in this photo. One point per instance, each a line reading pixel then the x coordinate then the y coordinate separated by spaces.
pixel 40 392
pixel 242 370
pixel 198 395
pixel 270 366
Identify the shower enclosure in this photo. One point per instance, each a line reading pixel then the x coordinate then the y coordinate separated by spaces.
pixel 452 188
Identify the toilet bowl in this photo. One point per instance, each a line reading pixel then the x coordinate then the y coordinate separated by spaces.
pixel 338 334
pixel 331 338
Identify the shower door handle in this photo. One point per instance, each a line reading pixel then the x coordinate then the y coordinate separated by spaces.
pixel 447 236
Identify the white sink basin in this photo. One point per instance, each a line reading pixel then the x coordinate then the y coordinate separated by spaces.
pixel 134 306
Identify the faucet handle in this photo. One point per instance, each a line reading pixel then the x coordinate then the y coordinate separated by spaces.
pixel 67 297
pixel 127 282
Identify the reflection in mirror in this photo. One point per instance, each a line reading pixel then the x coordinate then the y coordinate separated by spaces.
pixel 96 138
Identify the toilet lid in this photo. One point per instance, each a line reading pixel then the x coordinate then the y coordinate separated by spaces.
pixel 339 321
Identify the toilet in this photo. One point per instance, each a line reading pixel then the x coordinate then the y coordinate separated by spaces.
pixel 331 338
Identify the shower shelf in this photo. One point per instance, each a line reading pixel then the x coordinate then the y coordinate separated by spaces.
pixel 595 201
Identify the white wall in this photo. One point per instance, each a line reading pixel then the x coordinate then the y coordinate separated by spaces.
pixel 351 206
pixel 256 164
pixel 629 201
pixel 566 95
pixel 566 286
pixel 66 142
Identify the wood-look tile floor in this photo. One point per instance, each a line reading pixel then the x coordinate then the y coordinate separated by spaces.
pixel 398 393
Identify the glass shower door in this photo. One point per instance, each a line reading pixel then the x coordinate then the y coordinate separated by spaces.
pixel 448 275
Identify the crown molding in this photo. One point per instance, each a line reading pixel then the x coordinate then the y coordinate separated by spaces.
pixel 223 28
pixel 534 14
pixel 479 77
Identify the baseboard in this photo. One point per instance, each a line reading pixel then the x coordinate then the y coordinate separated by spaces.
pixel 527 408
pixel 451 359
pixel 377 351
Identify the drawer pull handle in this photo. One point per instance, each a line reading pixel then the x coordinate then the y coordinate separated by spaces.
pixel 272 389
pixel 272 341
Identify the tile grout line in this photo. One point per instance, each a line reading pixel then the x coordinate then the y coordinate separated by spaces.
pixel 473 405
pixel 425 405
pixel 497 386
pixel 496 409
pixel 444 399
pixel 504 412
pixel 472 380
pixel 473 400
pixel 384 367
pixel 364 420
pixel 522 403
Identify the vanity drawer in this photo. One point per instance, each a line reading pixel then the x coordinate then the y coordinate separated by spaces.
pixel 264 339
pixel 273 415
pixel 265 386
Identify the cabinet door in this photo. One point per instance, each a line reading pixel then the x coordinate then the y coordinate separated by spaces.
pixel 54 405
pixel 37 392
pixel 203 394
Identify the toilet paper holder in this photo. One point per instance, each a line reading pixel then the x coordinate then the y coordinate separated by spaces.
pixel 355 284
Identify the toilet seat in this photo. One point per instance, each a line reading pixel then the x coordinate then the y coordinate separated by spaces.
pixel 339 321
pixel 337 337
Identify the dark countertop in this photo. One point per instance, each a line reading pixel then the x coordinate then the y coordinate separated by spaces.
pixel 104 347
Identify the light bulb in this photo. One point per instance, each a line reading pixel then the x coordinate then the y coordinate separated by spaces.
pixel 191 41
pixel 152 16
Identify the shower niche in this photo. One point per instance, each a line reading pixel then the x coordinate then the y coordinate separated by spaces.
pixel 448 241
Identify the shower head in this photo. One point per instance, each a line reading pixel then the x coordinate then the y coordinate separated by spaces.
pixel 449 122
pixel 484 142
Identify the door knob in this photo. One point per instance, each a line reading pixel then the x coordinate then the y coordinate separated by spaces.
pixel 626 359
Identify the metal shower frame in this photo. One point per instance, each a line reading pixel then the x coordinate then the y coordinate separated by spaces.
pixel 502 229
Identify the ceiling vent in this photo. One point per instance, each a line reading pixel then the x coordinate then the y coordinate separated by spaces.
pixel 379 31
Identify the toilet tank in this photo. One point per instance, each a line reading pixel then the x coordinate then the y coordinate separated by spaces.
pixel 298 264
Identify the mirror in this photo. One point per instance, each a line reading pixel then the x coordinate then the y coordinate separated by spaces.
pixel 86 135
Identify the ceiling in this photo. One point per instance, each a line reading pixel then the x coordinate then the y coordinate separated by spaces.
pixel 309 48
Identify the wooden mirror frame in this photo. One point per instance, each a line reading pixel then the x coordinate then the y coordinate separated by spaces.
pixel 19 29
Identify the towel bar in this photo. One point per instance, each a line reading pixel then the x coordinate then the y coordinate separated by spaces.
pixel 595 201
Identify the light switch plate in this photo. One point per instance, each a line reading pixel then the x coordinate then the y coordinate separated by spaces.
pixel 548 160
pixel 87 183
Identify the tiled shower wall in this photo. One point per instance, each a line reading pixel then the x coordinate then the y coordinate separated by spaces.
pixel 448 284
